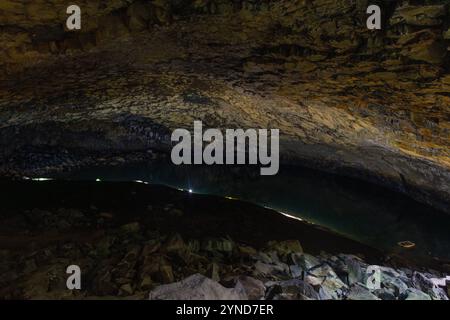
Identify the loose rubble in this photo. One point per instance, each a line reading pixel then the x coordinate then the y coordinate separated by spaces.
pixel 134 261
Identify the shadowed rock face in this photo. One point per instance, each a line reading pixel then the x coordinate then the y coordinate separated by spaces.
pixel 373 104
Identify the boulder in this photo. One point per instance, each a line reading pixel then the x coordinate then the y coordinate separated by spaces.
pixel 324 277
pixel 414 294
pixel 384 294
pixel 396 285
pixel 294 289
pixel 305 261
pixel 296 271
pixel 425 284
pixel 348 267
pixel 197 287
pixel 254 288
pixel 360 292
pixel 265 269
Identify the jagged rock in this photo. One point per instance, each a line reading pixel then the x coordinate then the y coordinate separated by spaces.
pixel 296 271
pixel 265 269
pixel 197 287
pixel 396 285
pixel 254 288
pixel 414 294
pixel 291 290
pixel 431 51
pixel 384 294
pixel 266 257
pixel 285 248
pixel 305 261
pixel 360 292
pixel 419 15
pixel 424 284
pixel 348 268
pixel 324 277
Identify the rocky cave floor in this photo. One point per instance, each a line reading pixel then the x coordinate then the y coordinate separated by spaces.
pixel 137 241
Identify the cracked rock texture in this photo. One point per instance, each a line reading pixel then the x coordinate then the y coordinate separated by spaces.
pixel 372 104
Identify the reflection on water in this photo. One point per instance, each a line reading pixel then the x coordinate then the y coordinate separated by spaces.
pixel 363 212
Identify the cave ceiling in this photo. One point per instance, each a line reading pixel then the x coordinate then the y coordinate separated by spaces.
pixel 345 98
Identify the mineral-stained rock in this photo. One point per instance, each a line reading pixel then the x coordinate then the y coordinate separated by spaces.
pixel 197 287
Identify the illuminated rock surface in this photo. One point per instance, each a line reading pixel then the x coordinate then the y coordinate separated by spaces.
pixel 373 104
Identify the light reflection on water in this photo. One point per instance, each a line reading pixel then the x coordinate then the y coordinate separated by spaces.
pixel 360 211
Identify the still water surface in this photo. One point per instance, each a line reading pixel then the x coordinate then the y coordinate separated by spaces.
pixel 363 212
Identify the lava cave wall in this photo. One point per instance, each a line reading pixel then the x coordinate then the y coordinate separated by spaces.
pixel 374 104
